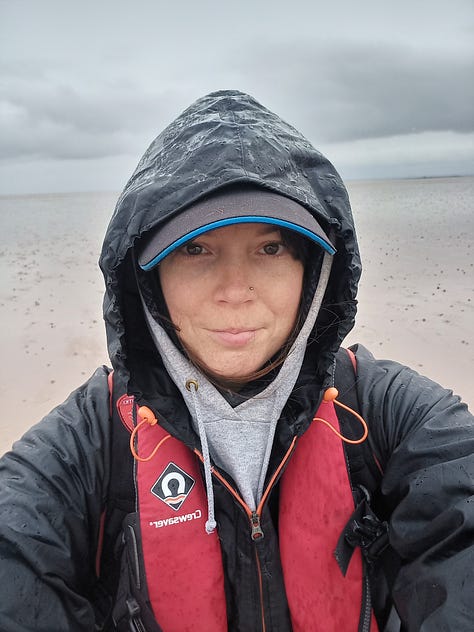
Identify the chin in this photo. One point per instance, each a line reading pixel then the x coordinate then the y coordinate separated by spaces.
pixel 233 375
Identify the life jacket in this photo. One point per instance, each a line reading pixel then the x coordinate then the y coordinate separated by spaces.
pixel 182 564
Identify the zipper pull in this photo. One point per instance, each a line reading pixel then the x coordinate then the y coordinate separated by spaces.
pixel 257 533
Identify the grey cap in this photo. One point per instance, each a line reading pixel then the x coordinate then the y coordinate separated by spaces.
pixel 231 206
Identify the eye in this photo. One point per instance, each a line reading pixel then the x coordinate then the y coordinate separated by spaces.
pixel 273 248
pixel 192 248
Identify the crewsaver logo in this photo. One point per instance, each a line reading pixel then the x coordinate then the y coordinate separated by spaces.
pixel 173 486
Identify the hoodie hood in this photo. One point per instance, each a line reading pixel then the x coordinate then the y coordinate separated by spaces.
pixel 224 138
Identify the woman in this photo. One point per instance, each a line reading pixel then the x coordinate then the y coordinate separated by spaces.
pixel 200 486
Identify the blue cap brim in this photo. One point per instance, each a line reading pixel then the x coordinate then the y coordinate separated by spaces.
pixel 326 245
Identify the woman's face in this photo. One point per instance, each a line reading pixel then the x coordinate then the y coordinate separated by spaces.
pixel 234 294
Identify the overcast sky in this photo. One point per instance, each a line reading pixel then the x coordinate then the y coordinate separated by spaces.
pixel 383 88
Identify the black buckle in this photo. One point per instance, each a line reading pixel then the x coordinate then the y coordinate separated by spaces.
pixel 369 533
pixel 133 608
pixel 363 530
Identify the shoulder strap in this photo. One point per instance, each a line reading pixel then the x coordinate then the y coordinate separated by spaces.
pixel 365 468
pixel 368 526
pixel 120 500
pixel 364 529
pixel 121 494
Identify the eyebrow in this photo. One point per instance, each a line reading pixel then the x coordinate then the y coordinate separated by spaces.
pixel 269 228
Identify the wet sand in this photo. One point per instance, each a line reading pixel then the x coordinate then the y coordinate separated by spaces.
pixel 416 296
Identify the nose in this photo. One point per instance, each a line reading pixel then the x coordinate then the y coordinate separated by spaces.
pixel 234 283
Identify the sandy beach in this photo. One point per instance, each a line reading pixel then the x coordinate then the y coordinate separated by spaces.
pixel 416 296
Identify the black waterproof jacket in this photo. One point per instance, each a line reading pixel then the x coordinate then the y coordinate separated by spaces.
pixel 56 482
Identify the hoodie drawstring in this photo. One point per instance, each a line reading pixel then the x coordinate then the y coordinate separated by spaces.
pixel 192 386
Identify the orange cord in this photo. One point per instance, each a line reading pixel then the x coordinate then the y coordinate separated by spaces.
pixel 330 396
pixel 147 418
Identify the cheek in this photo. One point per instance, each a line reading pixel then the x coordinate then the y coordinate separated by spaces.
pixel 284 301
pixel 176 307
pixel 294 296
pixel 184 299
pixel 289 287
pixel 174 292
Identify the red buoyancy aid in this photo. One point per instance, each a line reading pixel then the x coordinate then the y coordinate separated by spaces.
pixel 315 503
pixel 183 564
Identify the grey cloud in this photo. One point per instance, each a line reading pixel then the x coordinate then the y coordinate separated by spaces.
pixel 332 91
pixel 42 117
pixel 353 91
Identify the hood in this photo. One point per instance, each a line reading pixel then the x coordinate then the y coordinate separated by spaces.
pixel 224 138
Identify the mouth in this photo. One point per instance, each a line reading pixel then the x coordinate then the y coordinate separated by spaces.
pixel 234 337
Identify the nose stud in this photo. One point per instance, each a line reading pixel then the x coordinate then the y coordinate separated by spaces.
pixel 251 288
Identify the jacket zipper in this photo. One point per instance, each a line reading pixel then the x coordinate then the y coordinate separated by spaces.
pixel 256 532
pixel 366 607
pixel 260 587
pixel 135 622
